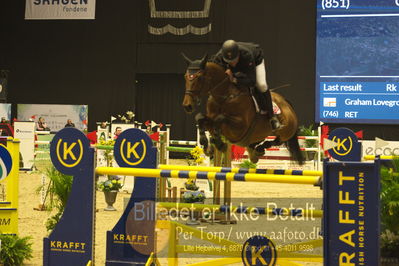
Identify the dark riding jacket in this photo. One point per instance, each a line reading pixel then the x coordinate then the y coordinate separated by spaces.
pixel 251 55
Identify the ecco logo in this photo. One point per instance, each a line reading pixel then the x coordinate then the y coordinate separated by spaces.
pixel 130 152
pixel 69 154
pixel 382 151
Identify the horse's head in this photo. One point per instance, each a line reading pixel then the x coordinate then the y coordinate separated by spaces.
pixel 195 82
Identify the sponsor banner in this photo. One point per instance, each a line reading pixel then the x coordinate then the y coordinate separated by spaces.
pixel 72 242
pixel 24 131
pixel 55 115
pixel 368 148
pixel 351 193
pixel 5 111
pixel 60 9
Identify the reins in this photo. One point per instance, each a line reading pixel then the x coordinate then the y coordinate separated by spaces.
pixel 211 92
pixel 224 97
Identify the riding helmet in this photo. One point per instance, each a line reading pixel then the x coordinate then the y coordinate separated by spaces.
pixel 230 51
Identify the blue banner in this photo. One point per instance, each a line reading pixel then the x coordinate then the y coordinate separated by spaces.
pixel 351 213
pixel 357 68
pixel 71 241
pixel 132 239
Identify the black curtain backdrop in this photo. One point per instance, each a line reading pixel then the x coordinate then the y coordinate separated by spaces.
pixel 95 62
pixel 159 98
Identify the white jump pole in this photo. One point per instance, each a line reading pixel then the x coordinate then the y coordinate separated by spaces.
pixel 167 142
pixel 320 150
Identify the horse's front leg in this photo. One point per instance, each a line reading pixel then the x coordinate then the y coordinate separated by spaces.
pixel 228 121
pixel 204 124
pixel 216 139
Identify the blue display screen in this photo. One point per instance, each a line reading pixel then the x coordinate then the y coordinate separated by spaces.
pixel 357 61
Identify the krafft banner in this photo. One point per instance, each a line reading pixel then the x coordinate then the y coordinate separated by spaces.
pixel 351 205
pixel 60 9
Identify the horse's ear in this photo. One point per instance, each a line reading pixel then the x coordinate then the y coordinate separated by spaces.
pixel 203 61
pixel 188 61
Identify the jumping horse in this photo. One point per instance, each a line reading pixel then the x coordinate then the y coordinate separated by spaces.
pixel 231 113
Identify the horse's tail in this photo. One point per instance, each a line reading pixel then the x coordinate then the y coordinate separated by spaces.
pixel 295 151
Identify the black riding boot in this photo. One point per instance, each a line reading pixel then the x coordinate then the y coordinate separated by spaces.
pixel 269 108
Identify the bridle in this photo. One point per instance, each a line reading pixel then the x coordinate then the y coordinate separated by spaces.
pixel 194 73
pixel 191 76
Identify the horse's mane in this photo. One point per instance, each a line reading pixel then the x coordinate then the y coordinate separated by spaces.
pixel 215 68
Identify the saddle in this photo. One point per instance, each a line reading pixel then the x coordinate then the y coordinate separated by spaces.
pixel 255 96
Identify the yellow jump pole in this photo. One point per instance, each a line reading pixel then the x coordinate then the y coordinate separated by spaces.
pixel 156 173
pixel 382 157
pixel 216 262
pixel 241 170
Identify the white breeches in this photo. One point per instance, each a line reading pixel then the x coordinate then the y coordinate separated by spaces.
pixel 261 82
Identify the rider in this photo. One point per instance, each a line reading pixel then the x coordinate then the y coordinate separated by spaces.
pixel 246 67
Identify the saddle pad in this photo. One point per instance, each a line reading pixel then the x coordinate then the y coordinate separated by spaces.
pixel 276 109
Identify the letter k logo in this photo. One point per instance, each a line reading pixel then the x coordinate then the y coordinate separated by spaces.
pixel 341 144
pixel 257 254
pixel 72 152
pixel 68 151
pixel 132 149
pixel 132 153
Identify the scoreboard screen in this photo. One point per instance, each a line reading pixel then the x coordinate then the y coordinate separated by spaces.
pixel 357 61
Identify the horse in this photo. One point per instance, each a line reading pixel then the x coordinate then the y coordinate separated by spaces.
pixel 231 113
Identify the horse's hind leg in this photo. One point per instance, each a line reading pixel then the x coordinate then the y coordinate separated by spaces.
pixel 275 142
pixel 261 146
pixel 256 150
